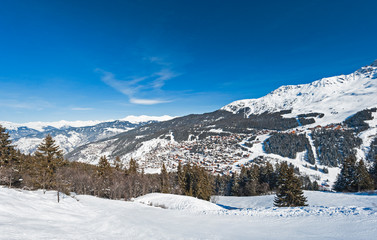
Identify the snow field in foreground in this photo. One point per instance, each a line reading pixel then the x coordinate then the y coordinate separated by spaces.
pixel 34 215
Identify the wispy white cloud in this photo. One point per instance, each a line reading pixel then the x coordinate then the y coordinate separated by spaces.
pixel 162 76
pixel 137 87
pixel 81 109
pixel 147 101
pixel 30 104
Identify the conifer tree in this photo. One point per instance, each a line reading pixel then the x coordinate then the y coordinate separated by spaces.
pixel 188 180
pixel 363 180
pixel 7 152
pixel 235 185
pixel 103 168
pixel 181 177
pixel 9 159
pixel 104 172
pixel 373 173
pixel 165 186
pixel 204 184
pixel 133 167
pixel 47 159
pixel 118 163
pixel 353 177
pixel 289 192
pixel 315 186
pixel 347 175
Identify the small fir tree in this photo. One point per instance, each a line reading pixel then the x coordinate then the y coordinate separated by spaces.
pixel 289 192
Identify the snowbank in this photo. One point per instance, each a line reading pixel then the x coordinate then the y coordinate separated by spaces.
pixel 177 202
pixel 315 198
pixel 320 204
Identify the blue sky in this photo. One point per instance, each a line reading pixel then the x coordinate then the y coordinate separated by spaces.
pixel 97 60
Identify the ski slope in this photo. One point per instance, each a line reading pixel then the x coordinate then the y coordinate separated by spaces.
pixel 34 215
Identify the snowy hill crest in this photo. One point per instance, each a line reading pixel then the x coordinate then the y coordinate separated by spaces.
pixel 337 97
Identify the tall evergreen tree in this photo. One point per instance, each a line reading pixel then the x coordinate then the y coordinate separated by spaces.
pixel 133 167
pixel 347 175
pixel 373 172
pixel 7 151
pixel 204 184
pixel 353 177
pixel 363 180
pixel 165 186
pixel 9 160
pixel 103 168
pixel 181 177
pixel 48 158
pixel 118 163
pixel 104 172
pixel 289 192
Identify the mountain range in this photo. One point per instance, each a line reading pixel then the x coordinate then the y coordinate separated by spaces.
pixel 313 126
pixel 69 135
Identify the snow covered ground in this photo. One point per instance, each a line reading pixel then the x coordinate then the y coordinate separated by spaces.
pixel 34 215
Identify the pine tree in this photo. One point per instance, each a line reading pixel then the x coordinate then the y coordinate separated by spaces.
pixel 315 186
pixel 104 173
pixel 353 177
pixel 118 163
pixel 103 168
pixel 373 173
pixel 347 175
pixel 235 185
pixel 165 186
pixel 133 167
pixel 181 178
pixel 363 180
pixel 47 159
pixel 289 192
pixel 189 180
pixel 9 160
pixel 204 184
pixel 7 152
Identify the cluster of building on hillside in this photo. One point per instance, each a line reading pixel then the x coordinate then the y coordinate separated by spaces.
pixel 217 154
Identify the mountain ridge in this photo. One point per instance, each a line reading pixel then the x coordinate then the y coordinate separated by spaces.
pixel 313 126
pixel 69 135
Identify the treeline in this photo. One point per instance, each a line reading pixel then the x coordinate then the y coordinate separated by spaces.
pixel 47 169
pixel 354 176
pixel 258 180
pixel 288 145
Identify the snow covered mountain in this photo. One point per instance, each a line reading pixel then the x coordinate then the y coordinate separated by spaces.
pixel 336 97
pixel 313 126
pixel 70 135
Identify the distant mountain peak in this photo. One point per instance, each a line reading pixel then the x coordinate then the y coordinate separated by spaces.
pixel 63 124
pixel 336 97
